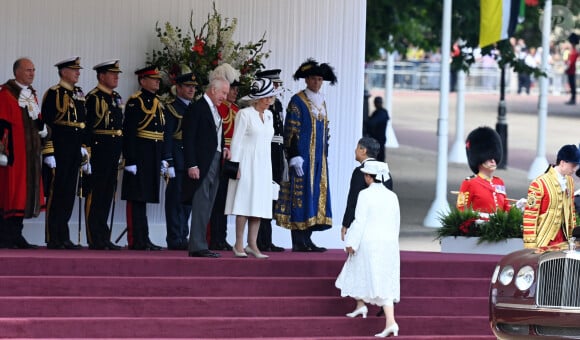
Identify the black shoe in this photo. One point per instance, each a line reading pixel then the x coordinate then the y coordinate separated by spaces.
pixel 301 248
pixel 111 246
pixel 570 102
pixel 151 246
pixel 275 249
pixel 203 253
pixel 137 246
pixel 316 249
pixel 71 246
pixel 228 247
pixel 220 246
pixel 54 245
pixel 21 243
pixel 181 246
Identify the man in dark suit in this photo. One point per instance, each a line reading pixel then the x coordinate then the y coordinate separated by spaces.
pixel 377 127
pixel 203 147
pixel 366 149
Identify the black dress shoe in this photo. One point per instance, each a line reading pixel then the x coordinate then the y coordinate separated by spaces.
pixel 138 247
pixel 301 248
pixel 203 253
pixel 276 249
pixel 111 246
pixel 316 249
pixel 21 243
pixel 71 246
pixel 228 247
pixel 220 246
pixel 151 246
pixel 54 245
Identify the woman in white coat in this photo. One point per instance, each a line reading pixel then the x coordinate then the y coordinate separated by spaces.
pixel 249 196
pixel 371 274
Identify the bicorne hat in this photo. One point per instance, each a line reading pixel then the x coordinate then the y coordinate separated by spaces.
pixel 481 145
pixel 311 68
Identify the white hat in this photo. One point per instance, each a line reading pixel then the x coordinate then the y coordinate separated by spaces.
pixel 261 88
pixel 380 169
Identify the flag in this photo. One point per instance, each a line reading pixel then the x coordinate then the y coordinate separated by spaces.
pixel 498 20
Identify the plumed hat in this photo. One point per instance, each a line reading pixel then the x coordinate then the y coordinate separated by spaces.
pixel 482 144
pixel 226 71
pixel 311 68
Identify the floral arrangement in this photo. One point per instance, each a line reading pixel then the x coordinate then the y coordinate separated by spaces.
pixel 200 51
pixel 500 226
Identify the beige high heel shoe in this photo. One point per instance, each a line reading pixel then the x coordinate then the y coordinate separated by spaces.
pixel 394 328
pixel 256 254
pixel 362 310
pixel 236 254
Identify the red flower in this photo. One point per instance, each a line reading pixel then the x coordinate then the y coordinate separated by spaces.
pixel 198 47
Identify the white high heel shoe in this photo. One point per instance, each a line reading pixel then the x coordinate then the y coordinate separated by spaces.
pixel 362 310
pixel 237 254
pixel 256 254
pixel 394 328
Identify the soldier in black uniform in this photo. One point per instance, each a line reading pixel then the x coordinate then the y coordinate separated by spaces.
pixel 105 134
pixel 176 212
pixel 63 109
pixel 142 148
pixel 277 151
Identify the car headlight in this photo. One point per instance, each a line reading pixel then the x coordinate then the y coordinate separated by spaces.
pixel 506 275
pixel 525 278
pixel 495 274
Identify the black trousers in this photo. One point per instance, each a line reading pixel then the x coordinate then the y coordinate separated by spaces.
pixel 10 231
pixel 572 83
pixel 137 225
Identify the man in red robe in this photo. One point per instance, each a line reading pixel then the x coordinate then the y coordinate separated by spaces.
pixel 21 130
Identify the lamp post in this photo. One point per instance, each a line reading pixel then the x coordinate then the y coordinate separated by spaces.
pixel 501 126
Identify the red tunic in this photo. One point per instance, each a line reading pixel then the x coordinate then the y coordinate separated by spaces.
pixel 483 195
pixel 228 112
pixel 21 192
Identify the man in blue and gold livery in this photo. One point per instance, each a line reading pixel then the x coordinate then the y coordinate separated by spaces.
pixel 176 212
pixel 142 148
pixel 304 202
pixel 105 136
pixel 63 110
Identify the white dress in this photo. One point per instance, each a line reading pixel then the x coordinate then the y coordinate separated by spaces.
pixel 372 274
pixel 251 195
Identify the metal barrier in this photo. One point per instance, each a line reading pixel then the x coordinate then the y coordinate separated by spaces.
pixel 426 76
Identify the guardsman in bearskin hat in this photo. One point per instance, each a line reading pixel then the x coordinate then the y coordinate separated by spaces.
pixel 105 135
pixel 63 110
pixel 549 214
pixel 142 148
pixel 278 158
pixel 482 191
pixel 304 205
pixel 176 212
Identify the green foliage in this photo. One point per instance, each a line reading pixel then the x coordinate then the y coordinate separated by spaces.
pixel 500 226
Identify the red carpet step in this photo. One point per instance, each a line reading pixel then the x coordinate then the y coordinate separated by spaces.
pixel 166 295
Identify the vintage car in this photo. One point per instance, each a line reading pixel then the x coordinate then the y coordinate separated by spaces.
pixel 535 293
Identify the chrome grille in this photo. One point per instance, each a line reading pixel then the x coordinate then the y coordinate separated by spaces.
pixel 558 279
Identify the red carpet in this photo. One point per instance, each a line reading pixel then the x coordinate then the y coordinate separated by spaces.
pixel 166 295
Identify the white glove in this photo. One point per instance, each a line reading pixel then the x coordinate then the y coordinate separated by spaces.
pixel 164 166
pixel 44 132
pixel 50 161
pixel 296 163
pixel 84 153
pixel 171 172
pixel 131 168
pixel 521 203
pixel 3 159
pixel 87 168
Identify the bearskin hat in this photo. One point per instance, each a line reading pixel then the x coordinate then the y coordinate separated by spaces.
pixel 311 68
pixel 482 144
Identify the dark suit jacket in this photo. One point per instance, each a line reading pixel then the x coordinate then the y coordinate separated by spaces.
pixel 200 140
pixel 357 183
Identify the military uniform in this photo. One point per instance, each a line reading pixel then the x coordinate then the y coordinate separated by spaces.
pixel 142 148
pixel 483 194
pixel 176 212
pixel 104 125
pixel 63 110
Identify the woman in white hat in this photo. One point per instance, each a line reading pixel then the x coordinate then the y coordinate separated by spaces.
pixel 371 274
pixel 250 194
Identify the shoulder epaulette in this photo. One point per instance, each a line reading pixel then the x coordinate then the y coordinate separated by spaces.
pixel 136 94
pixel 93 91
pixel 55 87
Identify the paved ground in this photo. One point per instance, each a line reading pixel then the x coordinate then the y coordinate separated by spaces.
pixel 414 163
